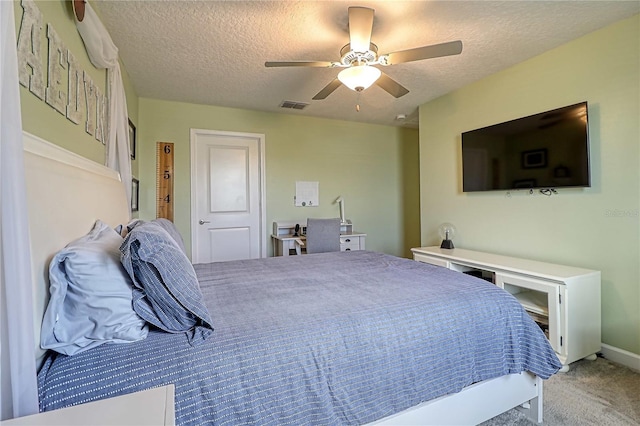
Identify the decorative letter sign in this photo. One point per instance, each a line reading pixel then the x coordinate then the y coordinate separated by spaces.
pixel 75 90
pixel 72 97
pixel 56 96
pixel 29 59
pixel 90 97
pixel 101 107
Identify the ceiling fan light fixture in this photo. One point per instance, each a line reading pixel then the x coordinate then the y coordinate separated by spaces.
pixel 359 56
pixel 359 77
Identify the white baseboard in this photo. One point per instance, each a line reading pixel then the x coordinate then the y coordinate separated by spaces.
pixel 626 358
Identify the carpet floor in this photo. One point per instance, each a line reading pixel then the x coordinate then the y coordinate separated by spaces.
pixel 598 393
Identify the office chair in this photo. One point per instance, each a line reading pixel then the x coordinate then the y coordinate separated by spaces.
pixel 323 235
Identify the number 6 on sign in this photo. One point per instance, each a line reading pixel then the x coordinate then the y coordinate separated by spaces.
pixel 164 180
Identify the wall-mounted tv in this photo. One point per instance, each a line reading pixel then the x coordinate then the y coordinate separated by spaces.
pixel 546 150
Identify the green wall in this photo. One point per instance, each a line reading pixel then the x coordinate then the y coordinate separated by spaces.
pixel 374 168
pixel 42 120
pixel 597 227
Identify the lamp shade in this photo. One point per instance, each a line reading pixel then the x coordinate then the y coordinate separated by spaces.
pixel 359 77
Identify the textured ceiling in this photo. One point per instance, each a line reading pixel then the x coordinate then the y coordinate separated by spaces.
pixel 213 52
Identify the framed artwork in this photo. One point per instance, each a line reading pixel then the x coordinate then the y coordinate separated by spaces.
pixel 524 183
pixel 132 140
pixel 561 172
pixel 135 194
pixel 535 159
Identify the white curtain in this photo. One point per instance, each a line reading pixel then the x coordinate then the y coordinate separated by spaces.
pixel 104 54
pixel 17 347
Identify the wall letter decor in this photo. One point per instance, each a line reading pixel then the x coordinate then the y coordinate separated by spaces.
pixel 56 95
pixel 101 110
pixel 90 98
pixel 75 90
pixel 70 98
pixel 29 59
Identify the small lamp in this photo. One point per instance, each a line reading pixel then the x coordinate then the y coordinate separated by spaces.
pixel 341 201
pixel 446 231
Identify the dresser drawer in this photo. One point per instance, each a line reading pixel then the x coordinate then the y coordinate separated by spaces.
pixel 349 247
pixel 349 243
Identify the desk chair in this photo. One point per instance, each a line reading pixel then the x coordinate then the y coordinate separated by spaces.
pixel 323 235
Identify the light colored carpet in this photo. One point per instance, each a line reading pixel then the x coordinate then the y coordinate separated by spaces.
pixel 598 393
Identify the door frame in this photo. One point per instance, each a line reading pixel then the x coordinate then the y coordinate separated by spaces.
pixel 261 186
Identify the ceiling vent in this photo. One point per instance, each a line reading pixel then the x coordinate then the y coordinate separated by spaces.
pixel 293 105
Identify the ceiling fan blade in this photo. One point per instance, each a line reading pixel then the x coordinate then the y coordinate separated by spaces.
pixel 299 64
pixel 328 89
pixel 425 52
pixel 360 27
pixel 391 86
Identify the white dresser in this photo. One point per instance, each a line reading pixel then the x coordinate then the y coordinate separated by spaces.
pixel 563 300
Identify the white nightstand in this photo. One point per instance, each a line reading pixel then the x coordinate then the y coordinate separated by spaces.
pixel 148 407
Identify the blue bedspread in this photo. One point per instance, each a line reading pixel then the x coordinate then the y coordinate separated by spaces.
pixel 323 339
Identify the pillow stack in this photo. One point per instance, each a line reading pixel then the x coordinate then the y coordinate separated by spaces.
pixel 105 288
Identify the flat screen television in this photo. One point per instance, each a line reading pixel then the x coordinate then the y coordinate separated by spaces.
pixel 544 151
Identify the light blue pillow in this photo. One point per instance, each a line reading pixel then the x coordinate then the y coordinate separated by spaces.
pixel 91 296
pixel 166 290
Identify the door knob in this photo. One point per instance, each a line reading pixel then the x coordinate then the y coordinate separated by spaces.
pixel 202 222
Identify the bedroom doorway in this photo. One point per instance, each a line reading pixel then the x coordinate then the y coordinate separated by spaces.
pixel 228 208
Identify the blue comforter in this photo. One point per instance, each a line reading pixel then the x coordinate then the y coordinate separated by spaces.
pixel 322 339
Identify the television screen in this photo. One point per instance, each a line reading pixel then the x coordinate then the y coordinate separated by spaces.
pixel 546 150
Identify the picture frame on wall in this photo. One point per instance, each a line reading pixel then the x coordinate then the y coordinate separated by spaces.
pixel 132 140
pixel 524 183
pixel 135 194
pixel 534 159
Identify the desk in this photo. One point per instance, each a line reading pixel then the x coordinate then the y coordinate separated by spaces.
pixel 349 240
pixel 284 241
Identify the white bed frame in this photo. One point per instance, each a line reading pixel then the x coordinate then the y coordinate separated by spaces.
pixel 66 193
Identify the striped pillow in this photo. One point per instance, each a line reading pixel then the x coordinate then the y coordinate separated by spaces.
pixel 166 292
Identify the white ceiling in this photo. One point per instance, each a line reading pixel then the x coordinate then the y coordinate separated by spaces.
pixel 213 52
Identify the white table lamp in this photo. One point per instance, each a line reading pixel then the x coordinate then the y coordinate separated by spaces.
pixel 341 201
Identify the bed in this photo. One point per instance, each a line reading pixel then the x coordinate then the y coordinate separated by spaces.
pixel 330 338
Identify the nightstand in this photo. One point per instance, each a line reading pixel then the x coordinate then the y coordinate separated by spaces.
pixel 149 407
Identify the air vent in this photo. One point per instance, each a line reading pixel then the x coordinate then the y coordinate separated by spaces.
pixel 293 105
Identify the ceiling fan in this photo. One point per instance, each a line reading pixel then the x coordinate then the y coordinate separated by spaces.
pixel 358 57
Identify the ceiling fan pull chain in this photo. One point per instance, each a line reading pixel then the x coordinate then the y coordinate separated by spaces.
pixel 358 102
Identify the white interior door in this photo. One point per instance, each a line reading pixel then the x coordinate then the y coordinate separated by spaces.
pixel 227 196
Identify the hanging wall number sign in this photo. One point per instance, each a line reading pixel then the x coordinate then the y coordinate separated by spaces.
pixel 164 180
